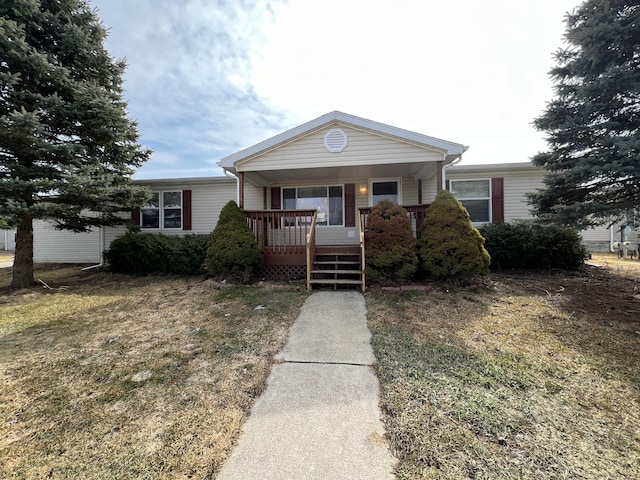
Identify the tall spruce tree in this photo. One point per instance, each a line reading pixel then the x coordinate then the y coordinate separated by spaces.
pixel 593 123
pixel 67 148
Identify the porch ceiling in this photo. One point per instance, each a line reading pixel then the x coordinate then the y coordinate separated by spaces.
pixel 339 174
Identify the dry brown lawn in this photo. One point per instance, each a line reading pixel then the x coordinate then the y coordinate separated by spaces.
pixel 533 376
pixel 110 376
pixel 530 376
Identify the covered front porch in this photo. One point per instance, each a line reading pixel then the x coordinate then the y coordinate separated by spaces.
pixel 289 242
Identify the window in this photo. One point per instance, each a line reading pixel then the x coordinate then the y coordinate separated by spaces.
pixel 328 201
pixel 475 195
pixel 385 190
pixel 163 210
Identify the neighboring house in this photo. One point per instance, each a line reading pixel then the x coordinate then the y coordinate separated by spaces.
pixel 309 189
pixel 7 239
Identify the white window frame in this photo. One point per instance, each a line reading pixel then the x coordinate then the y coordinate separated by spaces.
pixel 327 186
pixel 398 180
pixel 161 209
pixel 488 180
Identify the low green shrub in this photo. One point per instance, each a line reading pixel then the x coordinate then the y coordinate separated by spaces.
pixel 531 245
pixel 390 252
pixel 188 256
pixel 155 253
pixel 448 243
pixel 233 251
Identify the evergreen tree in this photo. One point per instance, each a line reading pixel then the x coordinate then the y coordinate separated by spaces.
pixel 593 124
pixel 233 251
pixel 67 148
pixel 448 244
pixel 391 246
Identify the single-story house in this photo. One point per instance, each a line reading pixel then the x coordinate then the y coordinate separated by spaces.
pixel 307 192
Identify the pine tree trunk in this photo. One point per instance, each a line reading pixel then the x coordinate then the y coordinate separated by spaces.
pixel 23 259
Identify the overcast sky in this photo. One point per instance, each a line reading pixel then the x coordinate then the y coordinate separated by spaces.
pixel 206 78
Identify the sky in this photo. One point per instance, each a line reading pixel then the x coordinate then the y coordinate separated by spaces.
pixel 207 78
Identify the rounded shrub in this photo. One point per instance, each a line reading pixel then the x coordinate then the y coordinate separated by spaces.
pixel 233 250
pixel 448 243
pixel 155 253
pixel 390 244
pixel 531 245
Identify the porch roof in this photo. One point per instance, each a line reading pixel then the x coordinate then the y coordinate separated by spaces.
pixel 424 167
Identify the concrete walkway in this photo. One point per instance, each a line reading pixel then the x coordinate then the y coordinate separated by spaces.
pixel 319 416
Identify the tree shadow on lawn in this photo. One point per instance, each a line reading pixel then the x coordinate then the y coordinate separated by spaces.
pixel 593 311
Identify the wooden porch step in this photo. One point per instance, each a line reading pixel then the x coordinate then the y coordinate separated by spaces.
pixel 336 254
pixel 337 262
pixel 337 272
pixel 335 281
pixel 337 265
pixel 338 249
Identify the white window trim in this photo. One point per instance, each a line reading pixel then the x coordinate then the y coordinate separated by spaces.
pixel 476 224
pixel 161 209
pixel 381 180
pixel 327 186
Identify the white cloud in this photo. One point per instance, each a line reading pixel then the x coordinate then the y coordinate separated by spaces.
pixel 187 79
pixel 206 78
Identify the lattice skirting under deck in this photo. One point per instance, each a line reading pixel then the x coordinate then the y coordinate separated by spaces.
pixel 283 272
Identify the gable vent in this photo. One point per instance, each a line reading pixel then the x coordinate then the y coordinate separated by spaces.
pixel 335 140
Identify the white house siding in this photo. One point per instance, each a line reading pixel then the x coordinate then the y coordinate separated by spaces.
pixel 518 181
pixel 363 149
pixel 253 197
pixel 207 201
pixel 63 246
pixel 429 191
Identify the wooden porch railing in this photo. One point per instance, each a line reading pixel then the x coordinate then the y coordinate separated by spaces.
pixel 311 248
pixel 416 215
pixel 282 234
pixel 362 256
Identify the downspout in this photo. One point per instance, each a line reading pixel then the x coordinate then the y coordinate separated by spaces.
pixel 231 175
pixel 444 168
pixel 101 246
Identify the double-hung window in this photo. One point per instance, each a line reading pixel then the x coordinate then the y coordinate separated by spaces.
pixel 326 200
pixel 475 195
pixel 163 210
